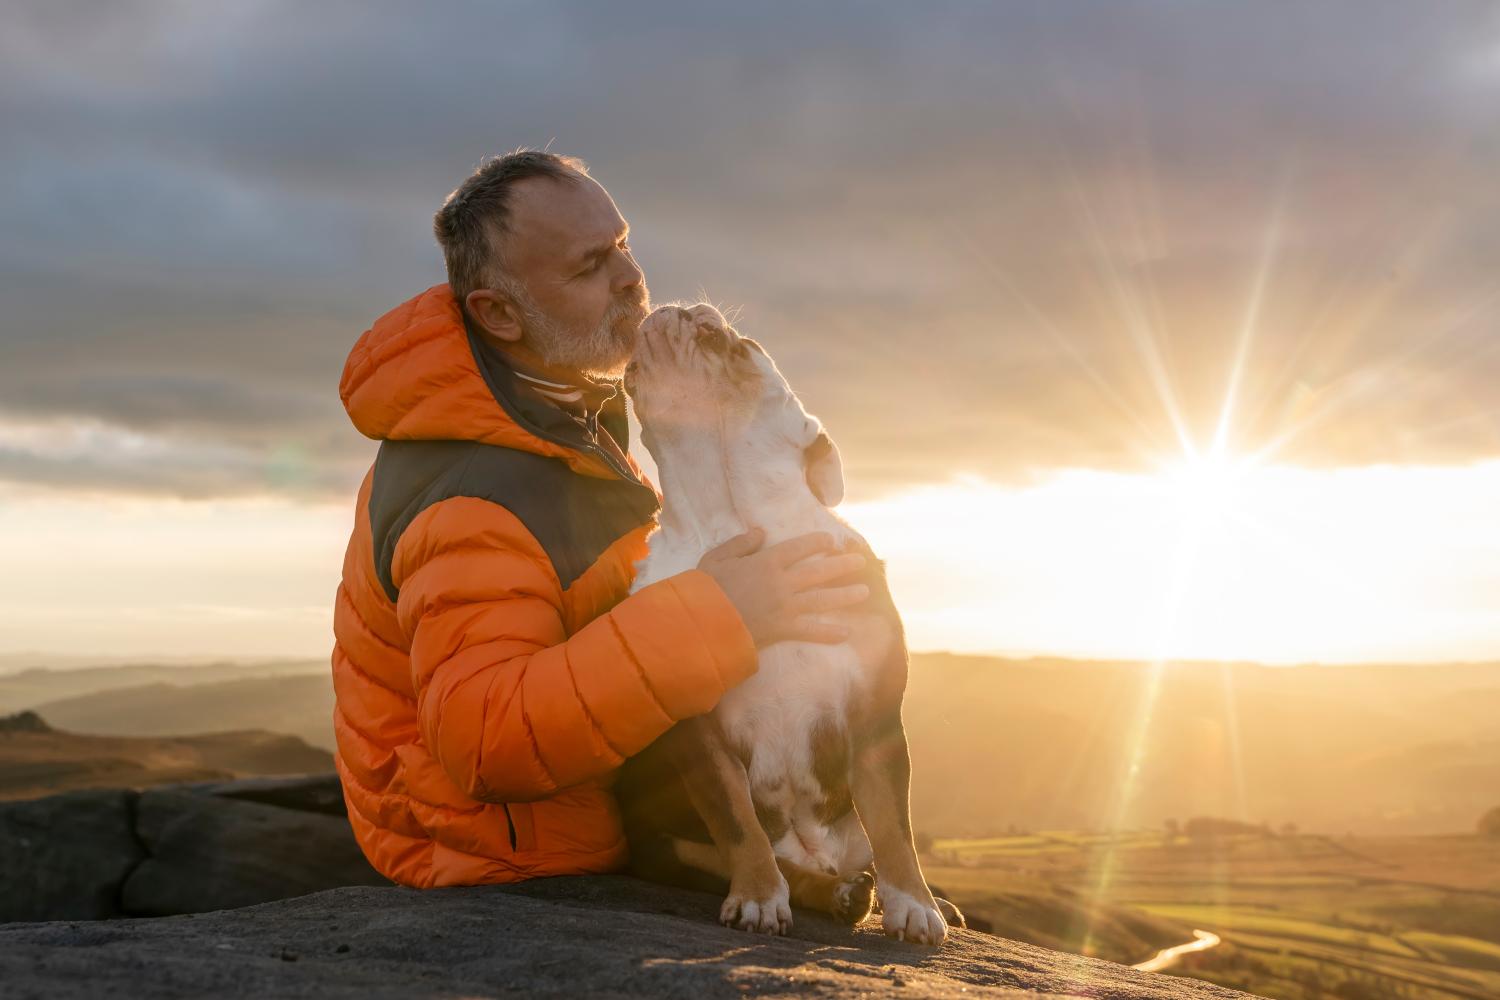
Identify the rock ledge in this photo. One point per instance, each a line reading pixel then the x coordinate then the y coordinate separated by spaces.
pixel 605 936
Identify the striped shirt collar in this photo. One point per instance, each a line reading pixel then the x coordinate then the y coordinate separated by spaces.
pixel 560 392
pixel 582 401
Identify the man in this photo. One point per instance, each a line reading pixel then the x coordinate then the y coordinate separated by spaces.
pixel 490 671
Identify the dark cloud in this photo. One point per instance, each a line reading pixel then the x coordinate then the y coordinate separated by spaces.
pixel 994 238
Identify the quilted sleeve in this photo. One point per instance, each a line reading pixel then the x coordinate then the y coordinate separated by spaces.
pixel 511 706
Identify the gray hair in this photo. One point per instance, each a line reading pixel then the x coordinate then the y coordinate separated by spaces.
pixel 477 213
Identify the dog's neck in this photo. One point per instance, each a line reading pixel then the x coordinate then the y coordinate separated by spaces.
pixel 771 491
pixel 696 501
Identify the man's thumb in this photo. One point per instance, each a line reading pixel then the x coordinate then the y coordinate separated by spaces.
pixel 737 547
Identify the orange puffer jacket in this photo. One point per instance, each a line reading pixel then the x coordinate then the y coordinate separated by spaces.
pixel 490 672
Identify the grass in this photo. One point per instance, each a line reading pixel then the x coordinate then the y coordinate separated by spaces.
pixel 1302 917
pixel 1457 949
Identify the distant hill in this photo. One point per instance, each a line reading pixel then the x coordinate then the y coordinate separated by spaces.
pixel 297 704
pixel 1032 744
pixel 1055 744
pixel 36 759
pixel 27 686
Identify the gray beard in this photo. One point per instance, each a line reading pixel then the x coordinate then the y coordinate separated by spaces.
pixel 603 351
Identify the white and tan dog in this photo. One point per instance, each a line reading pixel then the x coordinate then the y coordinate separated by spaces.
pixel 798 782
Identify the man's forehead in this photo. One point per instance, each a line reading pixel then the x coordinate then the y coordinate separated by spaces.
pixel 555 219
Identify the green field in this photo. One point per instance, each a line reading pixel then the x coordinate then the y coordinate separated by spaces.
pixel 1301 917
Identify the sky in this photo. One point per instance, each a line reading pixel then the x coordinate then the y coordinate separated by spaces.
pixel 1095 298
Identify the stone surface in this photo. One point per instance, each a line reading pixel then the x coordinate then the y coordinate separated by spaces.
pixel 65 856
pixel 177 849
pixel 567 937
pixel 206 852
pixel 320 793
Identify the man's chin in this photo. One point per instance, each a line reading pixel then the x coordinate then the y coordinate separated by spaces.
pixel 613 367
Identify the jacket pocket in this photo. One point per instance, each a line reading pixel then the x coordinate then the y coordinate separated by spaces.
pixel 521 825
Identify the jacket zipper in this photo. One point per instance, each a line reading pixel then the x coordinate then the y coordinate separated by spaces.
pixel 589 447
pixel 510 410
pixel 591 444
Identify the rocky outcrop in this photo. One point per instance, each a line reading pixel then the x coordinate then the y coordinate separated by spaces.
pixel 566 937
pixel 177 849
pixel 205 852
pixel 65 857
pixel 24 722
pixel 190 849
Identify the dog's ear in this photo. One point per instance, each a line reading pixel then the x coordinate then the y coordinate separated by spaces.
pixel 824 470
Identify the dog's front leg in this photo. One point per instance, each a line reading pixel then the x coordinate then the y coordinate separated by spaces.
pixel 716 781
pixel 881 787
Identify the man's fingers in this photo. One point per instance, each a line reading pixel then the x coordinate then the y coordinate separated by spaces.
pixel 737 547
pixel 829 598
pixel 799 548
pixel 812 630
pixel 812 572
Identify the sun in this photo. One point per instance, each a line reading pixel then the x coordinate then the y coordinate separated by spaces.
pixel 1208 485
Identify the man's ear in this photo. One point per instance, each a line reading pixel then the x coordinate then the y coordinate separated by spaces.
pixel 824 470
pixel 495 314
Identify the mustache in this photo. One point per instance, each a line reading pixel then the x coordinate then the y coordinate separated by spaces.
pixel 634 304
pixel 637 296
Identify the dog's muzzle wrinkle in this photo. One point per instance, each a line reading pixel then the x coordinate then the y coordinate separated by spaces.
pixel 712 339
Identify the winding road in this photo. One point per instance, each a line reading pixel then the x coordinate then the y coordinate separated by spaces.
pixel 1168 957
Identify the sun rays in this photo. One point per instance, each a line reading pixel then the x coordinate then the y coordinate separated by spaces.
pixel 1232 526
pixel 1221 543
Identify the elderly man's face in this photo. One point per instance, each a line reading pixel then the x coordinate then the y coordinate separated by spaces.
pixel 567 247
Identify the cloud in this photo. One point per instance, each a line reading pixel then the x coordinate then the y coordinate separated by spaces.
pixel 978 237
pixel 97 458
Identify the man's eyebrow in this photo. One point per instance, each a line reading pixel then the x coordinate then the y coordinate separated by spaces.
pixel 599 251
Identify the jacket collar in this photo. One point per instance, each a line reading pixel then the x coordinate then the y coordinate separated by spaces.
pixel 600 399
pixel 416 375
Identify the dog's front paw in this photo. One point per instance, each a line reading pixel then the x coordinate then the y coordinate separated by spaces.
pixel 764 912
pixel 907 918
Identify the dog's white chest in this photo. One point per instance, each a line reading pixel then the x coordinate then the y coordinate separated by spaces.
pixel 797 688
pixel 792 720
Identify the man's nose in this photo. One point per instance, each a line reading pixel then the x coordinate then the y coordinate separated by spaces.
pixel 628 276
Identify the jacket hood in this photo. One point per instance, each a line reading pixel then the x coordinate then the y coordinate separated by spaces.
pixel 412 376
pixel 417 374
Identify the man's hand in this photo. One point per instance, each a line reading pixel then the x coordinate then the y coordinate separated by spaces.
pixel 777 590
